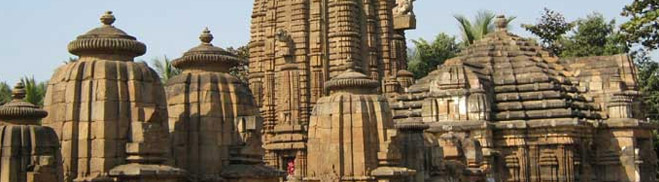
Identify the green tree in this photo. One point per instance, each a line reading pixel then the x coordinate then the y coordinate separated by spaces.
pixel 643 26
pixel 648 82
pixel 643 29
pixel 594 36
pixel 426 56
pixel 550 28
pixel 242 69
pixel 165 69
pixel 476 29
pixel 5 93
pixel 34 91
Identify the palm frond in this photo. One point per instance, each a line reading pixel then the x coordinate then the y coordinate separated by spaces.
pixel 466 28
pixel 508 20
pixel 484 23
pixel 165 69
pixel 34 91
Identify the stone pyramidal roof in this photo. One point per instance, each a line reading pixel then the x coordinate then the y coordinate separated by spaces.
pixel 524 81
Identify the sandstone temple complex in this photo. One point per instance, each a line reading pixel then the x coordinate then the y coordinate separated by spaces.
pixel 329 99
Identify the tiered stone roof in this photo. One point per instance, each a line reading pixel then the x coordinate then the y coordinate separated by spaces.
pixel 525 82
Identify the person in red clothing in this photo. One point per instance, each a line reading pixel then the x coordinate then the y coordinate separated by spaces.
pixel 290 168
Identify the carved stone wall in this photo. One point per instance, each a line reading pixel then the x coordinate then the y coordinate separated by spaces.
pixel 296 46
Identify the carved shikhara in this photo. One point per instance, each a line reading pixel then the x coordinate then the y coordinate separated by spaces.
pixel 296 47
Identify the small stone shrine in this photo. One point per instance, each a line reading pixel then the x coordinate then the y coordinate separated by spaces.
pixel 216 124
pixel 109 112
pixel 30 152
pixel 352 135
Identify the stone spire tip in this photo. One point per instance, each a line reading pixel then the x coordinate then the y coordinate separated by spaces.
pixel 107 18
pixel 501 22
pixel 206 36
pixel 19 91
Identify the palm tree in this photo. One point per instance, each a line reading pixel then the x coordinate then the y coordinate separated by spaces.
pixel 475 30
pixel 34 91
pixel 165 69
pixel 5 93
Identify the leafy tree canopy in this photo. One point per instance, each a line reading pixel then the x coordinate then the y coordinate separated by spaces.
pixel 593 36
pixel 643 26
pixel 242 69
pixel 426 56
pixel 550 28
pixel 5 93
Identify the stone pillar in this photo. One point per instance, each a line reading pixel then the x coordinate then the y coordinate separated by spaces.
pixel 30 152
pixel 620 105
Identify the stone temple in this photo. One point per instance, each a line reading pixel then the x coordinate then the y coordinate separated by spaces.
pixel 509 111
pixel 329 99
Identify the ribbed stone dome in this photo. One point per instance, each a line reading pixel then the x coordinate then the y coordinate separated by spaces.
pixel 207 56
pixel 18 109
pixel 107 39
pixel 404 73
pixel 351 80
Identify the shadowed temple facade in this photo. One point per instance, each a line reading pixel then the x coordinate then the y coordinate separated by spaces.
pixel 329 99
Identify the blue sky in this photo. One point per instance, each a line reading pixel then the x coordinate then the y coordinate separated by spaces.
pixel 35 33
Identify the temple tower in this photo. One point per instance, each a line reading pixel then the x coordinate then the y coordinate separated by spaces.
pixel 30 153
pixel 352 135
pixel 216 124
pixel 296 46
pixel 109 112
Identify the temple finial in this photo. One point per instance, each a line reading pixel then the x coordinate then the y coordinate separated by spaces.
pixel 501 23
pixel 19 91
pixel 206 36
pixel 107 18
